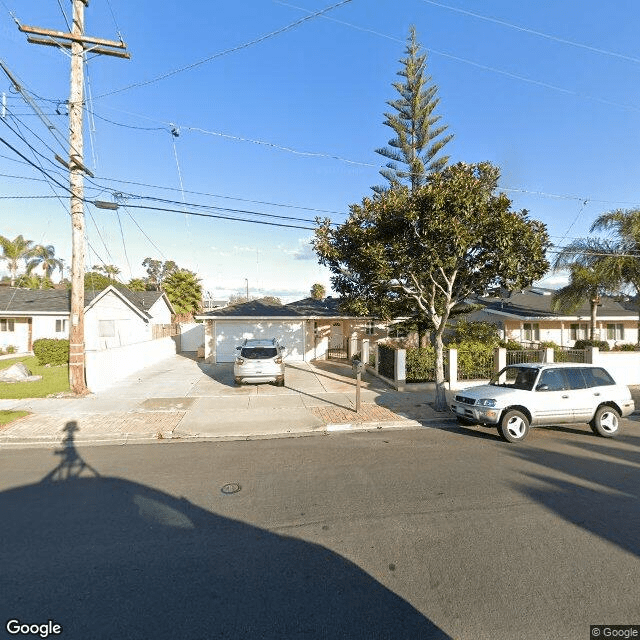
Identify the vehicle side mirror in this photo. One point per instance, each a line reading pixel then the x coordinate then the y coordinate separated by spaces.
pixel 542 387
pixel 238 348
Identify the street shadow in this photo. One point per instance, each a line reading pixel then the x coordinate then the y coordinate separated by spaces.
pixel 597 490
pixel 110 558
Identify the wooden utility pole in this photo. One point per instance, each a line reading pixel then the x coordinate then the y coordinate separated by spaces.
pixel 78 43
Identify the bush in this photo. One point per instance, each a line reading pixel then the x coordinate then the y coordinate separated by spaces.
pixel 626 347
pixel 603 345
pixel 475 331
pixel 51 351
pixel 511 345
pixel 421 364
pixel 11 349
pixel 386 366
pixel 475 360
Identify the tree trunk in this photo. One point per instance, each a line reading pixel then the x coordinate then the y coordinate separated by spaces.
pixel 594 311
pixel 441 397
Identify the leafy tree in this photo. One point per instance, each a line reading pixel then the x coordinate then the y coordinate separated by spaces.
pixel 96 281
pixel 432 248
pixel 110 270
pixel 137 284
pixel 418 136
pixel 271 300
pixel 34 281
pixel 318 291
pixel 44 257
pixel 158 271
pixel 15 251
pixel 475 331
pixel 238 298
pixel 184 291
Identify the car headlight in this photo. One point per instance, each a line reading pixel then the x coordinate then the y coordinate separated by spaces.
pixel 486 402
pixel 239 361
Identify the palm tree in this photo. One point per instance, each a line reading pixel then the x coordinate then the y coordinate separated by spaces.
pixel 13 251
pixel 44 256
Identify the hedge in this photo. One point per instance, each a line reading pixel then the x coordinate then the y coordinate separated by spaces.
pixel 51 351
pixel 421 364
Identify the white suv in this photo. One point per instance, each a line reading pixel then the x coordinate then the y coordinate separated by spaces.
pixel 259 361
pixel 545 394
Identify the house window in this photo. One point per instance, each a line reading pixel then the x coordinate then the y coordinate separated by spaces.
pixel 106 328
pixel 7 324
pixel 531 331
pixel 397 332
pixel 370 328
pixel 578 331
pixel 61 326
pixel 615 332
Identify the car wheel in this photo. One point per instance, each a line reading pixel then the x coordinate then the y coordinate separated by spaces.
pixel 237 381
pixel 514 426
pixel 606 422
pixel 280 382
pixel 465 421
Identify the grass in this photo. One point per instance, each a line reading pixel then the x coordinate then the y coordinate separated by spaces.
pixel 54 380
pixel 9 416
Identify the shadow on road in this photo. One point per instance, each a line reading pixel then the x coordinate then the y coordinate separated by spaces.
pixel 109 558
pixel 598 492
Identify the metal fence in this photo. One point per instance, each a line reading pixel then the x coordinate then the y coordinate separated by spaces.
pixel 525 355
pixel 339 353
pixel 475 364
pixel 566 354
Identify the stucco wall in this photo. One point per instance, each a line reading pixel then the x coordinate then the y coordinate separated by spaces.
pixel 18 338
pixel 45 327
pixel 160 313
pixel 105 368
pixel 129 327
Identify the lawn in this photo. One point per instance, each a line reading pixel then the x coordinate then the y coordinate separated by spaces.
pixel 9 416
pixel 54 380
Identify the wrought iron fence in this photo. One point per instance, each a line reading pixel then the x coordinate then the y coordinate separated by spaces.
pixel 475 364
pixel 525 355
pixel 567 354
pixel 339 352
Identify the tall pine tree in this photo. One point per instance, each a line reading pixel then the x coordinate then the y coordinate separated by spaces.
pixel 418 135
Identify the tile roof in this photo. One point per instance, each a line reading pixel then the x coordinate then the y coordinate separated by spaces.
pixel 535 302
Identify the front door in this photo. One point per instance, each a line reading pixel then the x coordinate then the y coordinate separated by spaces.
pixel 336 337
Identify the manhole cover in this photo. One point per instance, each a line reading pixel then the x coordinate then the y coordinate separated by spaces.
pixel 231 487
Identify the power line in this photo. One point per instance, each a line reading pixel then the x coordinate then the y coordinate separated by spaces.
pixel 227 51
pixel 540 34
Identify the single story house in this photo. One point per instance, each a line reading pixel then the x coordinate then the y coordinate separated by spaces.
pixel 113 317
pixel 308 328
pixel 527 317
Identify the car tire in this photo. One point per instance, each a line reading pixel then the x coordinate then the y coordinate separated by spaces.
pixel 514 426
pixel 280 382
pixel 606 422
pixel 237 381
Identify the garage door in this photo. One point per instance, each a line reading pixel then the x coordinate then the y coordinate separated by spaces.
pixel 231 334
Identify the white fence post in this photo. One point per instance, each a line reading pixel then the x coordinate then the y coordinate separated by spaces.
pixel 452 374
pixel 364 353
pixel 400 368
pixel 499 359
pixel 591 355
pixel 549 354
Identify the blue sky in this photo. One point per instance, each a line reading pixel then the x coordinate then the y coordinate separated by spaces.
pixel 288 126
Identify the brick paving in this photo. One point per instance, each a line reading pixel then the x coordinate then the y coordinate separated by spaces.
pixel 367 413
pixel 109 424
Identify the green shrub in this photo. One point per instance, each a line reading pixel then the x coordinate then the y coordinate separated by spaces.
pixel 603 345
pixel 11 349
pixel 420 364
pixel 475 360
pixel 386 366
pixel 627 347
pixel 51 351
pixel 511 345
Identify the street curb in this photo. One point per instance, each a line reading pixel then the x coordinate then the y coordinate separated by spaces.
pixel 45 442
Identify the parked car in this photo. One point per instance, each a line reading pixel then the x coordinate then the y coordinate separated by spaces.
pixel 524 395
pixel 259 361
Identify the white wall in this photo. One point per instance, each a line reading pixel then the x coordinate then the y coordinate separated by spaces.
pixel 129 326
pixel 624 366
pixel 105 368
pixel 18 338
pixel 45 327
pixel 160 313
pixel 191 336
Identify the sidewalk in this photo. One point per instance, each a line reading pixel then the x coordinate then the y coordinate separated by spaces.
pixel 184 400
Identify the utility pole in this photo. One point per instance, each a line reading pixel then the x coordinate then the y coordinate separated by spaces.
pixel 78 43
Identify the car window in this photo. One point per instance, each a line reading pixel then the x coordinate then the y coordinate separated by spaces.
pixel 575 378
pixel 552 379
pixel 258 353
pixel 517 377
pixel 597 377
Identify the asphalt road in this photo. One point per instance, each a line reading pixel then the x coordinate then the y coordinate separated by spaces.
pixel 401 534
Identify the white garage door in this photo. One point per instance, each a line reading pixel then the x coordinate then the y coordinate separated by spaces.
pixel 231 334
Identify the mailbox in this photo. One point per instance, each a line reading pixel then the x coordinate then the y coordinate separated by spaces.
pixel 358 366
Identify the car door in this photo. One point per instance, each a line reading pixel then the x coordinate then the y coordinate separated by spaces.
pixel 599 385
pixel 552 399
pixel 582 397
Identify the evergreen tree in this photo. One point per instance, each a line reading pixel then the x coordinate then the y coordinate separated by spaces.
pixel 184 291
pixel 418 135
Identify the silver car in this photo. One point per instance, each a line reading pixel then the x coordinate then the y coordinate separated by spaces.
pixel 259 361
pixel 524 395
